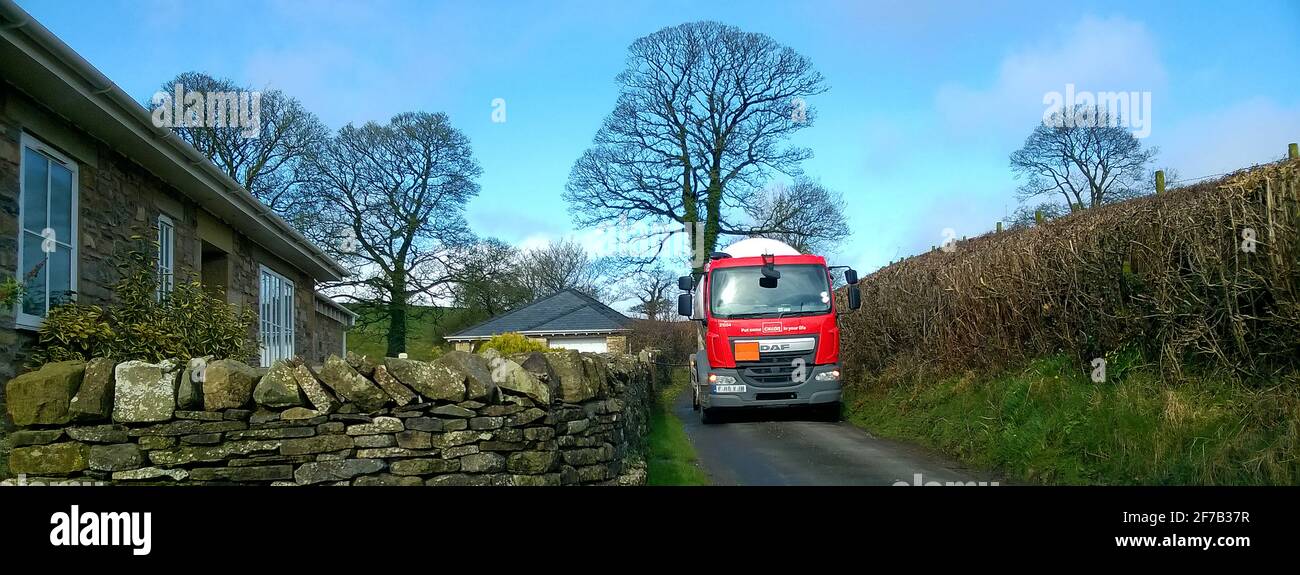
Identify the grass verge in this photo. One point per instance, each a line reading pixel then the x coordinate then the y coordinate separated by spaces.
pixel 671 459
pixel 425 326
pixel 1049 424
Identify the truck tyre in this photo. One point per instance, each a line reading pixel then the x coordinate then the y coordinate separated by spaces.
pixel 828 412
pixel 709 416
pixel 695 397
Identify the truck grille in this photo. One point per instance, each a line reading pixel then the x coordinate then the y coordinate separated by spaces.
pixel 775 369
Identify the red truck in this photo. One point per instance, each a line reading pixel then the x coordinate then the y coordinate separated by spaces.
pixel 769 332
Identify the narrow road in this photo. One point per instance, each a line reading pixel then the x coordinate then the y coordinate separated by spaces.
pixel 788 447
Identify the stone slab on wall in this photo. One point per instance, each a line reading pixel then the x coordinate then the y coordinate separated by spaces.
pixel 498 421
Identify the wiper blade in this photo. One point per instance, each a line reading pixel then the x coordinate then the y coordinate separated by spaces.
pixel 800 313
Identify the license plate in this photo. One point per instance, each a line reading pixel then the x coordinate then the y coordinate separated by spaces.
pixel 728 389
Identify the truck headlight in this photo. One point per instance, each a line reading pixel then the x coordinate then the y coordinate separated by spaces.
pixel 721 379
pixel 832 375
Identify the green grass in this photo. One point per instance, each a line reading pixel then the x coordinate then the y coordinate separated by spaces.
pixel 425 327
pixel 671 459
pixel 1049 424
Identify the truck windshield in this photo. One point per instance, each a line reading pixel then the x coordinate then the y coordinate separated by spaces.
pixel 801 290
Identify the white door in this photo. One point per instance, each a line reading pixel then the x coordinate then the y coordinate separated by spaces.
pixel 591 344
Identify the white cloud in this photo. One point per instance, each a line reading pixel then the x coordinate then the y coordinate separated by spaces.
pixel 535 241
pixel 1237 136
pixel 1096 55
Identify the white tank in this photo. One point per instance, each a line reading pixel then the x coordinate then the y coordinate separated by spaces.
pixel 755 247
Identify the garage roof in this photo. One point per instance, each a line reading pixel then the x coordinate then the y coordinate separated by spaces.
pixel 566 312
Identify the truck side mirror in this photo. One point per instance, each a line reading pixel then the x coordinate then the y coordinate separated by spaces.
pixel 684 304
pixel 851 276
pixel 855 297
pixel 685 283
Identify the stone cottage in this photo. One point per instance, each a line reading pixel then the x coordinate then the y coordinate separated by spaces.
pixel 82 168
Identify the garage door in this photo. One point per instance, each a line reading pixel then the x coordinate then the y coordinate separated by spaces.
pixel 592 344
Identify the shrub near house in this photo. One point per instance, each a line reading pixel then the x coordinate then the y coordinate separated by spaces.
pixel 142 324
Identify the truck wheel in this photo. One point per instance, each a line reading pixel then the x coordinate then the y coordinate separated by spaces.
pixel 709 416
pixel 695 397
pixel 828 412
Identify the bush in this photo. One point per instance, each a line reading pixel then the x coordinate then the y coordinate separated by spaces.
pixel 185 323
pixel 675 340
pixel 1167 279
pixel 10 291
pixel 511 343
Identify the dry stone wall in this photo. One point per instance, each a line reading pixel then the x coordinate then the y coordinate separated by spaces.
pixel 552 418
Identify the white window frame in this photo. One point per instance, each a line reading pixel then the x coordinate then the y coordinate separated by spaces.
pixel 275 319
pixel 22 319
pixel 166 255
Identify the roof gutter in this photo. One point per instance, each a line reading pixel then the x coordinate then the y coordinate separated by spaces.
pixel 329 301
pixel 232 202
pixel 539 333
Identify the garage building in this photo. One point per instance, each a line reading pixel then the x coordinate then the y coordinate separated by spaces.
pixel 568 319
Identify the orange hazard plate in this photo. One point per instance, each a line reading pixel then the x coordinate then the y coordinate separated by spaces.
pixel 747 351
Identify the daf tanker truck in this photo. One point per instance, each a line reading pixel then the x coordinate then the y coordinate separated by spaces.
pixel 769 336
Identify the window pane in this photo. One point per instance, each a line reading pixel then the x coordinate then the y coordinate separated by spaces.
pixel 61 202
pixel 34 185
pixel 33 275
pixel 277 318
pixel 60 262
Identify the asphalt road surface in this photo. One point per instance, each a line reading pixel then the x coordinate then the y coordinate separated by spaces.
pixel 790 447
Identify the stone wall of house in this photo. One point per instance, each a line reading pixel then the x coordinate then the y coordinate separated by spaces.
pixel 326 336
pixel 553 418
pixel 246 269
pixel 616 343
pixel 115 199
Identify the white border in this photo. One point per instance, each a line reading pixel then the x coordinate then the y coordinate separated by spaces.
pixel 293 312
pixel 171 265
pixel 23 320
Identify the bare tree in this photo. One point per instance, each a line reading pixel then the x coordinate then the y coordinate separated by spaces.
pixel 807 216
pixel 271 165
pixel 700 125
pixel 389 201
pixel 1083 158
pixel 562 265
pixel 487 279
pixel 1027 215
pixel 650 288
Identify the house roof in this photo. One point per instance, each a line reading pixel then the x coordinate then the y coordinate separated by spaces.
pixel 37 62
pixel 329 301
pixel 566 312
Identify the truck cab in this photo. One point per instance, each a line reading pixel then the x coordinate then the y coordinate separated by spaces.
pixel 769 334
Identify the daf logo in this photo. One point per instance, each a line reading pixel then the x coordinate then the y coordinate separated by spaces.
pixel 780 345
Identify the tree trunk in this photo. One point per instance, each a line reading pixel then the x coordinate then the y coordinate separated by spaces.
pixel 397 316
pixel 712 210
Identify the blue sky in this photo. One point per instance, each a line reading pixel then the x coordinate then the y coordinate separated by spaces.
pixel 926 100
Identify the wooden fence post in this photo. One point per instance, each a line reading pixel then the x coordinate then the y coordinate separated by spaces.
pixel 1293 151
pixel 999 227
pixel 1160 181
pixel 1038 217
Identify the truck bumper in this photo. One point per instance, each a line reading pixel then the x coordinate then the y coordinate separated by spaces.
pixel 812 391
